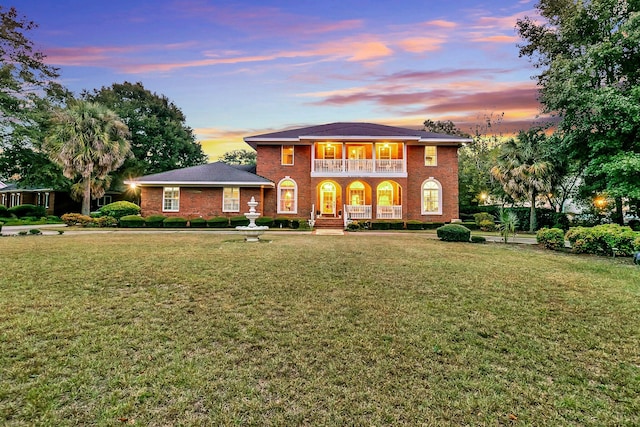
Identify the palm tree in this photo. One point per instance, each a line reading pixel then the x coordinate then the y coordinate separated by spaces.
pixel 88 141
pixel 523 169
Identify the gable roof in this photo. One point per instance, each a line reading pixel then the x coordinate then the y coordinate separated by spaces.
pixel 217 174
pixel 351 130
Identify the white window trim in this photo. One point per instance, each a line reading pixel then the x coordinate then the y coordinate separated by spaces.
pixel 164 192
pixel 431 179
pixel 435 156
pixel 293 155
pixel 224 200
pixel 295 196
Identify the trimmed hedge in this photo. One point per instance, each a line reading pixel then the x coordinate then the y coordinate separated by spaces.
pixel 4 212
pixel 601 240
pixel 282 222
pixel 432 225
pixel 198 223
pixel 478 239
pixel 264 221
pixel 120 209
pixel 238 221
pixel 454 233
pixel 380 225
pixel 551 238
pixel 218 222
pixel 155 221
pixel 471 225
pixel 72 219
pixel 175 222
pixel 413 224
pixel 131 221
pixel 22 211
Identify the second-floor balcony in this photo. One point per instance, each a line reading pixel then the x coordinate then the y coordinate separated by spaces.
pixel 358 167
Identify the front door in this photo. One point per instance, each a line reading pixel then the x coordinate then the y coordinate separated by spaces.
pixel 328 198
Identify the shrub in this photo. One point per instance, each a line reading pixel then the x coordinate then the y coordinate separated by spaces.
pixel 487 225
pixel 72 219
pixel 264 221
pixel 354 226
pixel 478 239
pixel 175 222
pixel 412 224
pixel 21 211
pixel 281 222
pixel 561 220
pixel 551 238
pixel 508 224
pixel 432 225
pixel 239 220
pixel 154 221
pixel 53 219
pixel 471 225
pixel 601 239
pixel 218 222
pixel 483 216
pixel 634 224
pixel 105 221
pixel 636 242
pixel 1 224
pixel 120 209
pixel 22 233
pixel 294 223
pixel 396 225
pixel 454 233
pixel 4 212
pixel 35 231
pixel 303 224
pixel 380 225
pixel 131 221
pixel 198 223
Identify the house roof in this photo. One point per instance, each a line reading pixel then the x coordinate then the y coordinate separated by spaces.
pixel 354 131
pixel 215 174
pixel 16 188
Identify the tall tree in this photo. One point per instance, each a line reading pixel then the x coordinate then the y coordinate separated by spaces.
pixel 523 169
pixel 28 89
pixel 88 141
pixel 160 138
pixel 239 157
pixel 588 53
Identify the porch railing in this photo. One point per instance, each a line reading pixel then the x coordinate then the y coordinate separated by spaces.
pixel 389 212
pixel 360 166
pixel 327 166
pixel 366 166
pixel 390 166
pixel 358 211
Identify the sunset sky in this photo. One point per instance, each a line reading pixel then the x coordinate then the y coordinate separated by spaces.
pixel 240 68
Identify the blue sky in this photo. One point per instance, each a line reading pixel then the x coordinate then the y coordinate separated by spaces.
pixel 239 68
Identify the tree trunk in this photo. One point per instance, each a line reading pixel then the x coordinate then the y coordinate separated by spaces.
pixel 532 213
pixel 86 197
pixel 618 215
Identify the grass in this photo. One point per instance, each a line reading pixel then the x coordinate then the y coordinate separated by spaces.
pixel 202 329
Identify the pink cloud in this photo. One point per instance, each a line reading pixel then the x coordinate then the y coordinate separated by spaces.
pixel 420 44
pixel 497 39
pixel 441 23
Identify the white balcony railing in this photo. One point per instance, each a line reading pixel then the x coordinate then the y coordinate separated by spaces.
pixel 365 166
pixel 389 212
pixel 390 166
pixel 358 211
pixel 328 166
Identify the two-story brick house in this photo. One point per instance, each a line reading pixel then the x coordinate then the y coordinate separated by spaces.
pixel 330 172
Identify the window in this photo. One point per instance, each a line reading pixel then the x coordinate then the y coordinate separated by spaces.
pixel 231 199
pixel 171 199
pixel 431 197
pixel 430 156
pixel 356 194
pixel 385 194
pixel 287 196
pixel 287 154
pixel 105 200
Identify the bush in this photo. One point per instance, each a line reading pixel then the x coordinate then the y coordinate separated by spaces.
pixel 454 233
pixel 636 242
pixel 487 225
pixel 432 225
pixel 131 221
pixel 561 220
pixel 471 225
pixel 478 239
pixel 282 222
pixel 120 209
pixel 21 211
pixel 72 219
pixel 238 221
pixel 396 225
pixel 35 231
pixel 264 221
pixel 154 221
pixel 483 216
pixel 601 239
pixel 53 219
pixel 105 221
pixel 175 222
pixel 354 226
pixel 380 225
pixel 4 212
pixel 218 222
pixel 551 238
pixel 303 224
pixel 198 223
pixel 412 224
pixel 634 224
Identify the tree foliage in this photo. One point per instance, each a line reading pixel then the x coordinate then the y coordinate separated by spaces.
pixel 160 138
pixel 588 55
pixel 88 141
pixel 239 157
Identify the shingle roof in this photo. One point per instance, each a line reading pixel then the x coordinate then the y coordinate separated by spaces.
pixel 211 174
pixel 348 129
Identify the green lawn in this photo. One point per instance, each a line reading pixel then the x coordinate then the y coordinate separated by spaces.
pixel 203 329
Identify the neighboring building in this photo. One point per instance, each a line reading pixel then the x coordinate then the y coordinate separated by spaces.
pixel 330 173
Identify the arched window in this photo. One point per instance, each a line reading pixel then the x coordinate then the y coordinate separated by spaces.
pixel 385 194
pixel 287 196
pixel 431 197
pixel 356 194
